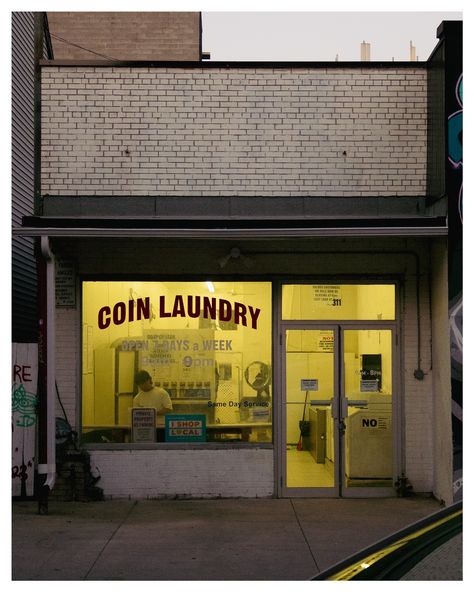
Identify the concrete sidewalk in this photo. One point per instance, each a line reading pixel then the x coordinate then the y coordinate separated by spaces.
pixel 228 539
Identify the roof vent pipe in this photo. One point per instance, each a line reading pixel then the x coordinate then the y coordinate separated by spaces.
pixel 365 52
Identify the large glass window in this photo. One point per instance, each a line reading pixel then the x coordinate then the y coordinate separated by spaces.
pixel 337 302
pixel 206 347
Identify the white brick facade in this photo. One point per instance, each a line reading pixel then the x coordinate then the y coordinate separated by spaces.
pixel 261 131
pixel 329 132
pixel 418 403
pixel 143 474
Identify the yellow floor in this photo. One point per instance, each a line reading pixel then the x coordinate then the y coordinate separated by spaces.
pixel 303 471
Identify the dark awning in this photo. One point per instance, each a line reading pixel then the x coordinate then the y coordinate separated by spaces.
pixel 255 228
pixel 234 217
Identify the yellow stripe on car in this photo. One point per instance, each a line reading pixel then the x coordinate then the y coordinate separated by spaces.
pixel 350 572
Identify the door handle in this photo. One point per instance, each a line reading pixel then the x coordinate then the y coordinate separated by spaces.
pixel 346 403
pixel 342 427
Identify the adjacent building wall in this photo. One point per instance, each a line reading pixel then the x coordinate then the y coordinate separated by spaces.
pixel 126 35
pixel 442 430
pixel 436 129
pixel 451 34
pixel 239 131
pixel 24 322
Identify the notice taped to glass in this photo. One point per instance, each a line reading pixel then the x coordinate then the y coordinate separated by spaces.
pixel 309 384
pixel 325 342
pixel 185 428
pixel 143 424
pixel 329 295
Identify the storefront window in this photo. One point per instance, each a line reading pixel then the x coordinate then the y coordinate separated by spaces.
pixel 206 345
pixel 337 302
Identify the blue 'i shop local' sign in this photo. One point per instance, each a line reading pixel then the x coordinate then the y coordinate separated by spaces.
pixel 185 428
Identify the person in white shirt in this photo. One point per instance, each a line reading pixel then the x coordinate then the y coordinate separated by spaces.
pixel 150 395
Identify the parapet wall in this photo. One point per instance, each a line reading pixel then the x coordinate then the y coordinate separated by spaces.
pixel 234 131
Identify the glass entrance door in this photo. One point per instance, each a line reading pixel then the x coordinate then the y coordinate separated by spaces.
pixel 311 409
pixel 337 419
pixel 366 411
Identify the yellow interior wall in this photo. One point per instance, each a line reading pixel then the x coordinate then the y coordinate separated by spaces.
pixel 375 302
pixel 303 362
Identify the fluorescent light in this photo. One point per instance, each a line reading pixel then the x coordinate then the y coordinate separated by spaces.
pixel 210 287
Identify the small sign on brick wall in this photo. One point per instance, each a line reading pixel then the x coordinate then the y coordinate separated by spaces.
pixel 65 284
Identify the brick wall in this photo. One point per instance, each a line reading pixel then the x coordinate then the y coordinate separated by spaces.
pixel 200 131
pixel 125 35
pixel 184 473
pixel 418 394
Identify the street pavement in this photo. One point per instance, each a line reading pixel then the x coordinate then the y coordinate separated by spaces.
pixel 203 540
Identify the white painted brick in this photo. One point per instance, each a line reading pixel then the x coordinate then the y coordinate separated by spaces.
pixel 191 109
pixel 187 473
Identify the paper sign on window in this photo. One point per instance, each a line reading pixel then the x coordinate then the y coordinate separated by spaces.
pixel 309 384
pixel 143 424
pixel 185 428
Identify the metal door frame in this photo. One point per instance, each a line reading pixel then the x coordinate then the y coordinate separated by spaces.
pixel 339 489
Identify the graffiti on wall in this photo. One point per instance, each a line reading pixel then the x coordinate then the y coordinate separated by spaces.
pixel 23 406
pixel 455 129
pixel 24 418
pixel 455 157
pixel 455 217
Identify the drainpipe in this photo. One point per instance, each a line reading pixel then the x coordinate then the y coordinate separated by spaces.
pixel 47 372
